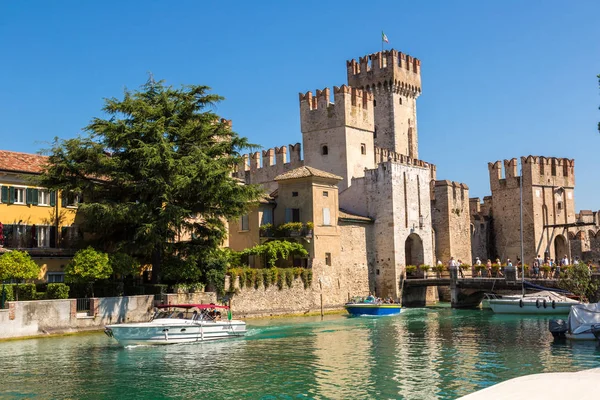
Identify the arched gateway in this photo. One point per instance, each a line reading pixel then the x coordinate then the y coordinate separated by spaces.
pixel 413 250
pixel 560 247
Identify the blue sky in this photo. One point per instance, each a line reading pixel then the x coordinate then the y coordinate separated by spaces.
pixel 500 79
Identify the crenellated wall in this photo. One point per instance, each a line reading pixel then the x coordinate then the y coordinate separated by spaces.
pixel 338 137
pixel 394 79
pixel 262 167
pixel 451 221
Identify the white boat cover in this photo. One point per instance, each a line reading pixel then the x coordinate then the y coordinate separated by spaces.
pixel 548 296
pixel 583 316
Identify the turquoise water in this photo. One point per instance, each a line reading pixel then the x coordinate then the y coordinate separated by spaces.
pixel 421 354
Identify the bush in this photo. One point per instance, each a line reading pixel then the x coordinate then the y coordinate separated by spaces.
pixel 25 291
pixel 424 268
pixel 439 268
pixel 9 292
pixel 411 269
pixel 40 296
pixel 154 289
pixel 57 291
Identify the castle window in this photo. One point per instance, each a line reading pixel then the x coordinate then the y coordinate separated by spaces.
pixel 553 166
pixel 363 148
pixel 559 206
pixel 325 194
pixel 374 103
pixel 541 167
pixel 375 133
pixel 294 194
pixel 328 259
pixel 292 215
pixel 244 223
pixel 400 101
pixel 326 217
pixel 565 169
pixel 324 150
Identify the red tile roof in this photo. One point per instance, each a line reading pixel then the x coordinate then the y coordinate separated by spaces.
pixel 22 162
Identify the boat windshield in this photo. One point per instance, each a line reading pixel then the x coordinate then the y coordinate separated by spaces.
pixel 192 314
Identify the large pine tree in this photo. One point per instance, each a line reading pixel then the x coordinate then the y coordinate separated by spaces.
pixel 157 171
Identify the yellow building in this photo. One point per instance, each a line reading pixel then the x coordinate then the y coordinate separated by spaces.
pixel 35 219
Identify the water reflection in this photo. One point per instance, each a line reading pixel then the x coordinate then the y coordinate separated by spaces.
pixel 421 354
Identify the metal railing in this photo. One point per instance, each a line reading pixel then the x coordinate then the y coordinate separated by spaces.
pixel 83 305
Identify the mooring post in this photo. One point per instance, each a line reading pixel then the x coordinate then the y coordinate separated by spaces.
pixel 321 288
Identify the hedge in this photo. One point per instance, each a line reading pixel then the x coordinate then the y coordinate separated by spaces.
pixel 57 291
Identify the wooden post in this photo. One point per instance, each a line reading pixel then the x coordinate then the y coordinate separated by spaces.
pixel 321 287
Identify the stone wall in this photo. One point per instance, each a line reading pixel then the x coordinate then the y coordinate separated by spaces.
pixel 451 221
pixel 32 318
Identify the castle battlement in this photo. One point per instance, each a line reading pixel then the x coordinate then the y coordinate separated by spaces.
pixel 273 157
pixel 352 107
pixel 537 170
pixel 387 70
pixel 384 155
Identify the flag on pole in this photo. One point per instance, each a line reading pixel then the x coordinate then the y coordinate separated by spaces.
pixel 384 38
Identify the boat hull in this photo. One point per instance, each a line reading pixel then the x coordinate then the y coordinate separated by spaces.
pixel 153 334
pixel 373 309
pixel 515 306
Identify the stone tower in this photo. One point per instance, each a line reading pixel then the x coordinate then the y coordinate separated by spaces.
pixel 338 137
pixel 548 206
pixel 394 79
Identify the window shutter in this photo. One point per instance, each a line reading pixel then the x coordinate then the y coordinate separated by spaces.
pixel 11 195
pixel 288 215
pixel 35 198
pixel 63 200
pixel 326 217
pixel 4 196
pixel 52 236
pixel 28 196
pixel 53 198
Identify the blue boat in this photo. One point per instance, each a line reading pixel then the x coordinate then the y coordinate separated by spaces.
pixel 371 308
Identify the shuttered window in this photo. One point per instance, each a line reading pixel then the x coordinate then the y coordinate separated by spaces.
pixel 326 217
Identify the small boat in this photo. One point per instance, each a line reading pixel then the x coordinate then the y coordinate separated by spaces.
pixel 371 307
pixel 583 323
pixel 179 323
pixel 544 302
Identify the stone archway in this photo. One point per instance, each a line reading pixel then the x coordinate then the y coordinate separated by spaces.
pixel 560 247
pixel 413 250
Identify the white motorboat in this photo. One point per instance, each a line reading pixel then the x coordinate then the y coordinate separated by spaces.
pixel 544 302
pixel 583 323
pixel 181 323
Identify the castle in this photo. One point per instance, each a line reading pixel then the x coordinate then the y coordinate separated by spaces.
pixel 375 205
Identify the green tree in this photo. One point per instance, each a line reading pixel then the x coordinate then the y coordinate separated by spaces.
pixel 156 171
pixel 124 264
pixel 87 266
pixel 276 250
pixel 578 280
pixel 18 265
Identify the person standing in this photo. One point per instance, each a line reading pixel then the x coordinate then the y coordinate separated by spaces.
pixel 499 264
pixel 478 266
pixel 489 268
pixel 452 268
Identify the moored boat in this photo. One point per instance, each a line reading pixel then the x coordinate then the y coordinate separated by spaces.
pixel 583 323
pixel 544 302
pixel 371 307
pixel 180 323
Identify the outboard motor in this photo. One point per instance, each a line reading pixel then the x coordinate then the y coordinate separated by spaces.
pixel 596 331
pixel 558 328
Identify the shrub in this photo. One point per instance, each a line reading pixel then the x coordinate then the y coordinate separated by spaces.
pixel 439 268
pixel 196 287
pixel 25 291
pixel 265 228
pixel 424 268
pixel 310 225
pixel 411 269
pixel 280 279
pixel 9 292
pixel 57 291
pixel 290 227
pixel 289 277
pixel 155 288
pixel 40 296
pixel 464 267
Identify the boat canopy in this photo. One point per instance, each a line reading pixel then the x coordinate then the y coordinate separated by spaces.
pixel 583 316
pixel 187 306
